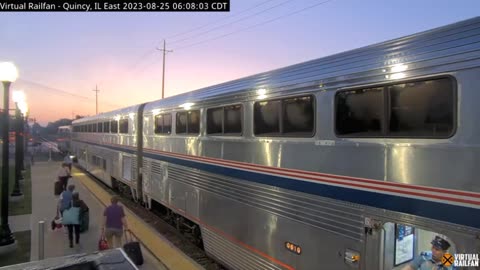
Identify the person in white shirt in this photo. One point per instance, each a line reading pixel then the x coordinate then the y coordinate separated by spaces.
pixel 63 175
pixel 67 160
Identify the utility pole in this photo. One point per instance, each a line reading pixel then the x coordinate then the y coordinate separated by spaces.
pixel 163 76
pixel 96 99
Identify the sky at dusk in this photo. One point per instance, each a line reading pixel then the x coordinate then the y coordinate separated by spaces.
pixel 62 56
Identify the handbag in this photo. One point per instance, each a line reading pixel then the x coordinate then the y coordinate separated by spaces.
pixel 71 215
pixel 57 221
pixel 102 243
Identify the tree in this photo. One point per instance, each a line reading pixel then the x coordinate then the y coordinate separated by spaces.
pixel 52 128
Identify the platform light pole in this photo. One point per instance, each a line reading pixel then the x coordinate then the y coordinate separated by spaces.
pixel 19 98
pixel 8 74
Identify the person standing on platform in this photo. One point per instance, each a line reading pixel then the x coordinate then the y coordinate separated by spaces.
pixel 63 175
pixel 68 161
pixel 114 223
pixel 71 217
pixel 76 220
pixel 66 199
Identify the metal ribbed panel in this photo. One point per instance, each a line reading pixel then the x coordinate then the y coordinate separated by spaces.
pixel 134 168
pixel 232 254
pixel 157 168
pixel 334 216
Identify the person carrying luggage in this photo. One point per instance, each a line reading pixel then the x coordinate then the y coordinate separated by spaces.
pixel 114 223
pixel 63 175
pixel 66 198
pixel 68 161
pixel 71 218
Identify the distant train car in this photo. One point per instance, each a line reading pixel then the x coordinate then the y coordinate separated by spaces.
pixel 63 138
pixel 352 161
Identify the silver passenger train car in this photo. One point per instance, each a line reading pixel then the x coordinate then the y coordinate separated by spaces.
pixel 352 161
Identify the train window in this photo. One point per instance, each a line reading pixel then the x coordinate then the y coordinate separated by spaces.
pixel 100 127
pixel 188 122
pixel 298 115
pixel 163 124
pixel 193 124
pixel 421 109
pixel 287 117
pixel 106 127
pixel 360 112
pixel 114 126
pixel 215 121
pixel 123 126
pixel 181 126
pixel 167 123
pixel 224 120
pixel 233 119
pixel 267 117
pixel 158 124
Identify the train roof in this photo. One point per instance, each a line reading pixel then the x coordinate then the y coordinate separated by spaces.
pixel 123 112
pixel 368 64
pixel 440 47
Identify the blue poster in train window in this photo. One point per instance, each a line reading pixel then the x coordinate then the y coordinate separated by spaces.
pixel 404 243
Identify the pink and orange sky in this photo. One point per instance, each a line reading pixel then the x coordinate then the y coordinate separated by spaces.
pixel 62 56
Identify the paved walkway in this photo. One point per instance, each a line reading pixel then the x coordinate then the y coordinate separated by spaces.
pixel 19 223
pixel 44 208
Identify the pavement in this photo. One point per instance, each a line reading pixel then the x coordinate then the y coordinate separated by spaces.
pixel 44 209
pixel 157 251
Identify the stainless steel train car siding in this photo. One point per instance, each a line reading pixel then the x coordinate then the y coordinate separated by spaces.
pixel 325 192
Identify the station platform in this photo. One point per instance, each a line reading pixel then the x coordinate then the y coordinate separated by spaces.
pixel 157 251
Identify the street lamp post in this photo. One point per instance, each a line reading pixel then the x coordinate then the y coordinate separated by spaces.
pixel 8 74
pixel 19 99
pixel 23 138
pixel 26 137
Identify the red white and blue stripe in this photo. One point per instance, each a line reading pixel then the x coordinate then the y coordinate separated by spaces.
pixel 454 206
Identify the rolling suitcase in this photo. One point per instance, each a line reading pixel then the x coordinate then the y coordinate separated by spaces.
pixel 132 248
pixel 84 221
pixel 58 188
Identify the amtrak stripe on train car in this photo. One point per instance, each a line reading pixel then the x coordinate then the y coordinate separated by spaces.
pixel 435 203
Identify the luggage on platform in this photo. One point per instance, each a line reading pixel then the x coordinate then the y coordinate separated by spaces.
pixel 132 248
pixel 102 242
pixel 58 188
pixel 84 221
